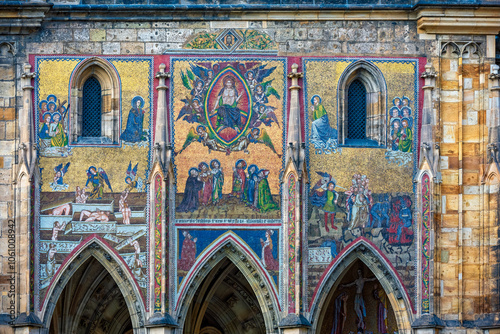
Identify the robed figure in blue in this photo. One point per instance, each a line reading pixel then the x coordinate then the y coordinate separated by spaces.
pixel 133 132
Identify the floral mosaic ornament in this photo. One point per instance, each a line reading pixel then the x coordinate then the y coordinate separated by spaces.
pixel 158 244
pixel 232 40
pixel 426 243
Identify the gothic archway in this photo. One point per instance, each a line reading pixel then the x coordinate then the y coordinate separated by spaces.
pixel 362 251
pixel 227 272
pixel 108 275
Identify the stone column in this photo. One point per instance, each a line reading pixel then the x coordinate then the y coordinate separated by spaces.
pixel 162 139
pixel 429 149
pixel 493 116
pixel 294 126
pixel 27 321
pixel 294 322
pixel 161 322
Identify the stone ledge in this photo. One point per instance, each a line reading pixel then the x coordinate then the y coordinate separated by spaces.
pixel 461 21
pixel 27 320
pixel 428 321
pixel 158 320
pixel 20 17
pixel 294 321
pixel 488 321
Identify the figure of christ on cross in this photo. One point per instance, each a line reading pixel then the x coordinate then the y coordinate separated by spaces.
pixel 359 303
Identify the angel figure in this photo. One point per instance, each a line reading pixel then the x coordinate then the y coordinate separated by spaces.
pixel 97 178
pixel 131 179
pixel 265 115
pixel 192 112
pixel 59 172
pixel 261 73
pixel 201 135
pixel 254 136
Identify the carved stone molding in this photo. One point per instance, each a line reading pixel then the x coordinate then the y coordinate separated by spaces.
pixel 22 19
pixel 462 49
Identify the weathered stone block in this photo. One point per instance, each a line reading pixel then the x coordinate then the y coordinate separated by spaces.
pixel 178 35
pixel 131 48
pixel 159 48
pixel 111 48
pixel 81 34
pixel 10 130
pixel 284 34
pixel 150 35
pixel 97 35
pixel 82 48
pixel 130 25
pixel 6 114
pixel 115 35
pixel 7 73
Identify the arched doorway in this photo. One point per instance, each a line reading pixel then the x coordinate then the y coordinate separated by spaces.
pixel 93 292
pixel 224 303
pixel 228 290
pixel 359 304
pixel 91 302
pixel 360 254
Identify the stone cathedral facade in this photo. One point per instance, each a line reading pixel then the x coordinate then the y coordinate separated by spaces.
pixel 256 167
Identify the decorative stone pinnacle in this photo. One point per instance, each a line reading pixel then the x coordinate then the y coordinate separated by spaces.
pixel 295 74
pixel 494 75
pixel 429 72
pixel 161 74
pixel 27 74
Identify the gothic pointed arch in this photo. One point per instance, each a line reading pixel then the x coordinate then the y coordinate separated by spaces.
pixel 95 103
pixel 95 249
pixel 362 250
pixel 362 86
pixel 227 250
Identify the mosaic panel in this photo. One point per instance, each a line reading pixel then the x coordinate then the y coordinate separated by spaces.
pixel 192 242
pixel 94 189
pixel 362 189
pixel 228 137
pixel 426 242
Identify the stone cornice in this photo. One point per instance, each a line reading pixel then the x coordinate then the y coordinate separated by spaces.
pixel 21 17
pixel 459 21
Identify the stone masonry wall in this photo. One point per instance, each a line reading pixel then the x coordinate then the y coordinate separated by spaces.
pixel 462 90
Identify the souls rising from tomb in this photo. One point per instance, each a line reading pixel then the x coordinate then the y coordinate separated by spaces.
pixel 231 102
pixel 58 182
pixel 53 133
pixel 400 139
pixel 134 133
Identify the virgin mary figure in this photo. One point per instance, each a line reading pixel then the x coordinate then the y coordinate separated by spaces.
pixel 133 132
pixel 320 127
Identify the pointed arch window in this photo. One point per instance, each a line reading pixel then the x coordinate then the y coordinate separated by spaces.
pixel 91 108
pixel 356 104
pixel 95 104
pixel 362 96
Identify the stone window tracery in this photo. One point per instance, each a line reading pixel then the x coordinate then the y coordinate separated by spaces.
pixel 95 104
pixel 362 108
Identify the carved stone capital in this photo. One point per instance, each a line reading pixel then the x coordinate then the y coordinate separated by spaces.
pixel 295 75
pixel 429 75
